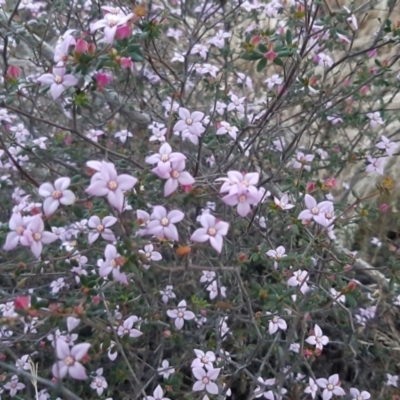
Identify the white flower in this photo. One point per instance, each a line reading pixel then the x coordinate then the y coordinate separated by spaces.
pixel 167 294
pixel 283 203
pixel 165 370
pixel 319 340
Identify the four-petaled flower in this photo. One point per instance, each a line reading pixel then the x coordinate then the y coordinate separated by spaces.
pixel 180 314
pixel 190 122
pixel 319 340
pixel 299 278
pixel 58 80
pixel 205 379
pixel 315 211
pixel 158 394
pixel 331 387
pixel 203 359
pixel 162 223
pixel 101 227
pixel 127 327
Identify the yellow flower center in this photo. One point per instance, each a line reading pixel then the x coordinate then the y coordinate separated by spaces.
pixel 69 361
pixel 189 121
pixel 112 185
pixel 57 79
pixel 165 222
pixel 57 194
pixel 37 236
pixel 100 228
pixel 212 232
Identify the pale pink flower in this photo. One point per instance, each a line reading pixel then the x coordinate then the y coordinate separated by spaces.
pixel 112 263
pixel 319 340
pixel 315 211
pixel 180 315
pixel 302 160
pixel 376 165
pixel 331 387
pixel 357 395
pixel 164 158
pixel 386 144
pixel 158 394
pixel 299 278
pixel 111 22
pixel 212 230
pixel 123 135
pixel 219 39
pixel 236 103
pixel 213 289
pixel 175 177
pixel 312 388
pixel 167 294
pixel 237 182
pixel 243 80
pixel 275 324
pixel 207 276
pixel 226 128
pixel 150 254
pixel 56 194
pixel 101 227
pixel 162 223
pixel 69 360
pixel 190 122
pixel 99 383
pixel 274 80
pixel 352 19
pixel 127 327
pixel 200 49
pixel 375 119
pixel 283 203
pixel 58 80
pixel 243 200
pixel 277 255
pixel 35 236
pixel 106 182
pixel 14 386
pixel 391 380
pixel 205 379
pixel 17 224
pixel 203 359
pixel 165 370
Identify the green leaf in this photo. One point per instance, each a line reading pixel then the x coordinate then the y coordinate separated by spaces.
pixel 289 37
pixel 251 56
pixel 261 65
pixel 136 57
pixel 76 179
pixel 278 61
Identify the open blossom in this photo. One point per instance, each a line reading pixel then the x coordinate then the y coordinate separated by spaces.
pixel 283 203
pixel 162 223
pixel 123 135
pixel 14 386
pixel 275 324
pixel 112 264
pixel 243 200
pixel 180 315
pixel 158 394
pixel 111 22
pixel 219 39
pixel 17 225
pixel 226 128
pixel 56 194
pixel 277 254
pixel 58 80
pixel 165 370
pixel 99 383
pixel 375 165
pixel 391 380
pixel 331 387
pixel 299 278
pixel 312 388
pixel 236 103
pixel 167 294
pixel 386 144
pixel 190 122
pixel 106 182
pixel 357 395
pixel 302 160
pixel 35 236
pixel 205 379
pixel 274 80
pixel 319 340
pixel 69 360
pixel 237 182
pixel 164 158
pixel 101 227
pixel 375 119
pixel 212 230
pixel 315 211
pixel 127 327
pixel 261 391
pixel 203 359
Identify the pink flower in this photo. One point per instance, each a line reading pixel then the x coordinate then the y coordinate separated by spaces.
pixel 203 359
pixel 81 46
pixel 226 128
pixel 299 278
pixel 319 340
pixel 101 227
pixel 127 327
pixel 364 395
pixel 111 22
pixel 375 119
pixel 276 323
pixel 376 165
pixel 180 315
pixel 158 394
pixel 14 386
pixel 387 145
pixel 163 159
pixel 302 160
pixel 17 224
pixel 123 135
pixel 312 388
pixel 283 203
pixel 150 254
pixel 315 211
pixel 58 81
pixel 112 263
pixel 243 201
pixel 212 230
pixel 69 360
pixel 162 223
pixel 176 176
pixel 205 379
pixel 106 182
pixel 236 103
pixel 34 236
pixel 56 194
pixel 331 387
pixel 277 254
pixel 190 122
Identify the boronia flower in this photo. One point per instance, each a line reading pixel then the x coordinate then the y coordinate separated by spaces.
pixel 58 81
pixel 180 315
pixel 162 223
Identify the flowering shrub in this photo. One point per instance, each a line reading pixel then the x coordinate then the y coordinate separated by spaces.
pixel 199 200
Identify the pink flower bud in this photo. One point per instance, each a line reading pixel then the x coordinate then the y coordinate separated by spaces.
pixel 310 187
pixel 372 53
pixel 330 183
pixel 271 55
pixel 384 207
pixel 364 90
pixel 123 32
pixel 22 302
pixel 13 72
pixel 81 46
pixel 103 79
pixel 126 62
